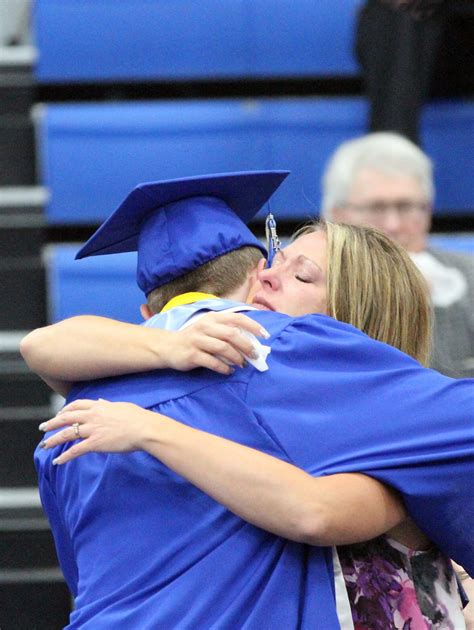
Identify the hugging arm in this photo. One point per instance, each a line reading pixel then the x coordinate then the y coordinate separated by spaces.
pixel 261 489
pixel 89 347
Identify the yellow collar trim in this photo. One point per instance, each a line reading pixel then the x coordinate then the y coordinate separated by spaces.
pixel 187 298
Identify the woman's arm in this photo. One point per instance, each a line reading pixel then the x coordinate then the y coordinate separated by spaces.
pixel 88 347
pixel 261 489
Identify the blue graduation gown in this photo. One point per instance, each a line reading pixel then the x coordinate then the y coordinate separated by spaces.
pixel 144 548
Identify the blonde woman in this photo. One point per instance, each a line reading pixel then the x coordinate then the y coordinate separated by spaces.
pixel 354 275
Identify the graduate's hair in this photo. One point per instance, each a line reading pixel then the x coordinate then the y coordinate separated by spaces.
pixel 373 284
pixel 220 276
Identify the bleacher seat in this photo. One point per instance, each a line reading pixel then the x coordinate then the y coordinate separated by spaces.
pixel 91 156
pixel 462 243
pixel 137 40
pixel 300 39
pixel 448 138
pixel 100 285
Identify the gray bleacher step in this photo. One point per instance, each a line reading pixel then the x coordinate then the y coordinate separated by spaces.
pixel 18 56
pixel 23 196
pixel 20 202
pixel 17 159
pixel 23 526
pixel 10 340
pixel 25 403
pixel 20 436
pixel 22 279
pixel 34 605
pixel 22 273
pixel 20 388
pixel 30 576
pixel 21 498
pixel 21 510
pixel 31 583
pixel 29 571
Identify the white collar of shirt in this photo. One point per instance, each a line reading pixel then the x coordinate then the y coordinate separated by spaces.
pixel 447 284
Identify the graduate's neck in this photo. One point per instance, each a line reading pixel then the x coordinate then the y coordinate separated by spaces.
pixel 240 294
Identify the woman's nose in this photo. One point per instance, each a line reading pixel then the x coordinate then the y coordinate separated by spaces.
pixel 269 278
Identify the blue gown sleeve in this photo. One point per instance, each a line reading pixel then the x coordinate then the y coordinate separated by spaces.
pixel 337 401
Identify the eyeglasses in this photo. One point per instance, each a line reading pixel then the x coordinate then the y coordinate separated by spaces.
pixel 380 209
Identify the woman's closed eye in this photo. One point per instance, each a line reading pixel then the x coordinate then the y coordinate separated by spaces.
pixel 303 279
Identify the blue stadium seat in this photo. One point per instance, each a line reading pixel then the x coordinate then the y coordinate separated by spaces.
pixel 101 285
pixel 303 38
pixel 448 138
pixel 301 134
pixel 141 40
pixel 92 155
pixel 462 243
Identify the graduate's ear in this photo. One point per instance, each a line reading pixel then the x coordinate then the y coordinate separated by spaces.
pixel 145 311
pixel 252 284
pixel 257 269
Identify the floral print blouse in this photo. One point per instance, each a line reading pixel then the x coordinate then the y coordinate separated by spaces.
pixel 392 587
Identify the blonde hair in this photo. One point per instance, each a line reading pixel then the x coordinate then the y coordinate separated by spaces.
pixel 373 285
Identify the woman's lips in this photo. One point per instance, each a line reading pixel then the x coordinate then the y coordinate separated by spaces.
pixel 261 304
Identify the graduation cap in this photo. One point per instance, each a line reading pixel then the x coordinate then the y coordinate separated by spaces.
pixel 178 225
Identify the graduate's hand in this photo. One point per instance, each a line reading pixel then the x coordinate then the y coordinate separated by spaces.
pixel 98 426
pixel 215 342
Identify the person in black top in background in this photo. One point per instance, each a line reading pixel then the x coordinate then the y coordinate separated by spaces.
pixel 409 51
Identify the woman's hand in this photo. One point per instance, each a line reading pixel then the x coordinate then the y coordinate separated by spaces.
pixel 100 425
pixel 215 342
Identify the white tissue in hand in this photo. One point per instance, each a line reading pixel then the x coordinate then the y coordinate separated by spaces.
pixel 262 352
pixel 260 363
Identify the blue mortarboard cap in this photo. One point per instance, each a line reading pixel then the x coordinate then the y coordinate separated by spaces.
pixel 178 225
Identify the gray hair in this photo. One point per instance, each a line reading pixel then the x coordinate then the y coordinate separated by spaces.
pixel 385 152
